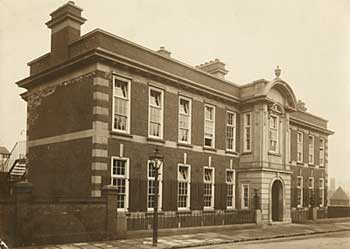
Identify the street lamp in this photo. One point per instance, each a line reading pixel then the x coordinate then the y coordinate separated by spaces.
pixel 157 162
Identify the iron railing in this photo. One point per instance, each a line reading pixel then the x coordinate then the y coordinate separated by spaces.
pixel 18 152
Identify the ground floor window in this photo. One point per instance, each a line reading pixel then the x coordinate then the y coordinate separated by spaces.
pixel 245 196
pixel 151 172
pixel 208 188
pixel 230 191
pixel 120 178
pixel 183 188
pixel 321 192
pixel 299 191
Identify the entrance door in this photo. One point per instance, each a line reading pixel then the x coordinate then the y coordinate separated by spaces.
pixel 277 201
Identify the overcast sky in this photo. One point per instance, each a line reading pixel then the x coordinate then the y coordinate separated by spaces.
pixel 309 39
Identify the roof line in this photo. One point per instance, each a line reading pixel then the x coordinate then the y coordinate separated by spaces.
pixel 153 52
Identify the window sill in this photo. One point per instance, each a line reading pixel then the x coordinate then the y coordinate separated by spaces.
pixel 271 153
pixel 230 209
pixel 122 211
pixel 151 211
pixel 157 140
pixel 208 209
pixel 300 164
pixel 179 144
pixel 209 148
pixel 312 164
pixel 228 152
pixel 246 153
pixel 118 133
pixel 183 210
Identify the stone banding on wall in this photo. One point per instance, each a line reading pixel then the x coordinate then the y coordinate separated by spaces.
pixel 99 166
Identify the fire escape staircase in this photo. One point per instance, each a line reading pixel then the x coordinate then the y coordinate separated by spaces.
pixel 16 164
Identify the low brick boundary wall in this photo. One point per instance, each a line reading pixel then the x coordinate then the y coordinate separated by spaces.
pixel 338 211
pixel 300 215
pixel 25 220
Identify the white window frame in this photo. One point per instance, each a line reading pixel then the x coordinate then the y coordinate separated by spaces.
pixel 300 146
pixel 243 206
pixel 151 88
pixel 321 152
pixel 311 149
pixel 212 182
pixel 128 99
pixel 322 188
pixel 312 181
pixel 247 127
pixel 188 201
pixel 231 185
pixel 160 187
pixel 275 129
pixel 189 119
pixel 300 190
pixel 126 177
pixel 213 123
pixel 233 128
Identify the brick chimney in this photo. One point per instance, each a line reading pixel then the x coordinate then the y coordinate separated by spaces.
pixel 65 28
pixel 164 52
pixel 215 67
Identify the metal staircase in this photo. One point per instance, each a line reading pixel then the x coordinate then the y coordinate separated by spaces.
pixel 16 164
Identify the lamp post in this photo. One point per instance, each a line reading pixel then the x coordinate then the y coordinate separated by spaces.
pixel 157 161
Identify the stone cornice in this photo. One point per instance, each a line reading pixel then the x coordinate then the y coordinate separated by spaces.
pixel 99 54
pixel 310 126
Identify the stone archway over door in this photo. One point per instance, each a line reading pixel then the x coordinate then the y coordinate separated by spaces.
pixel 277 201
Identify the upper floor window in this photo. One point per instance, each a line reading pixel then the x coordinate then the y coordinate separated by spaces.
pixel 208 188
pixel 184 120
pixel 183 189
pixel 247 143
pixel 300 191
pixel 121 104
pixel 321 152
pixel 151 173
pixel 300 141
pixel 230 131
pixel 230 184
pixel 209 126
pixel 120 178
pixel 274 134
pixel 156 110
pixel 311 149
pixel 245 196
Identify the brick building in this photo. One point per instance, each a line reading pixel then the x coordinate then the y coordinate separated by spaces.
pixel 98 105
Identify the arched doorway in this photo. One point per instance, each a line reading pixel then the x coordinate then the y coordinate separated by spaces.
pixel 277 200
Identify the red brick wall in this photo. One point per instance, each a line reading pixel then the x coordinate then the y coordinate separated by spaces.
pixel 307 172
pixel 61 169
pixel 60 109
pixel 139 154
pixel 139 109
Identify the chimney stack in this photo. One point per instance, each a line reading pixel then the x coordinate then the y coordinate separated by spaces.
pixel 215 67
pixel 65 28
pixel 164 52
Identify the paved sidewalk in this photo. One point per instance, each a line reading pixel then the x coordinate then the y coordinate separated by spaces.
pixel 217 237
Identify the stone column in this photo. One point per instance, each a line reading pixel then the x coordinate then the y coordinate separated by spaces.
pixel 23 220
